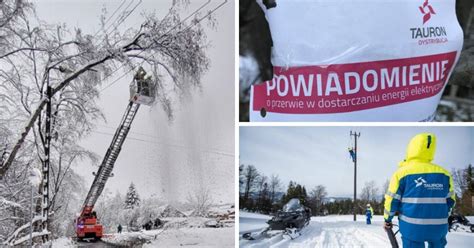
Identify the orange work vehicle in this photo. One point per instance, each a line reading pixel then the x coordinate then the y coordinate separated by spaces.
pixel 142 91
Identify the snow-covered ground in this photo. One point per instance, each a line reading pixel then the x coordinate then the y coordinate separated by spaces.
pixel 176 231
pixel 195 237
pixel 334 231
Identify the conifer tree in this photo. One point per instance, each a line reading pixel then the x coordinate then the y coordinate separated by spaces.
pixel 132 199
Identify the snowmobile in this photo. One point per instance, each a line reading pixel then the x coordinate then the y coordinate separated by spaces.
pixel 289 221
pixel 459 223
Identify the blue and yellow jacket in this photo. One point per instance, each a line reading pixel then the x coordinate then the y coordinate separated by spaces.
pixel 369 212
pixel 420 192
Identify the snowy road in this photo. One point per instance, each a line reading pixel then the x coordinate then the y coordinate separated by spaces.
pixel 69 242
pixel 334 231
pixel 97 244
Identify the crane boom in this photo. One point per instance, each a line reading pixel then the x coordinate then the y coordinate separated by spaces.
pixel 105 168
pixel 142 91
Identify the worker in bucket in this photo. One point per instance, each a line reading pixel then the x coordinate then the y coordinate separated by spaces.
pixel 422 194
pixel 369 212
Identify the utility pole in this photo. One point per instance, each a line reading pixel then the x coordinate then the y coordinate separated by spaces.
pixel 32 215
pixel 46 164
pixel 356 135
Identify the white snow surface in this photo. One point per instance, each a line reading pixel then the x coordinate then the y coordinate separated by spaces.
pixel 176 232
pixel 170 211
pixel 62 242
pixel 195 237
pixel 334 231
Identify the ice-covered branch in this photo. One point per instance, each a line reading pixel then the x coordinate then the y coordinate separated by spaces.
pixel 12 239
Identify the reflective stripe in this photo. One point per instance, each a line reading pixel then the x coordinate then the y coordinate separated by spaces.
pixel 418 221
pixel 395 196
pixel 422 200
pixel 388 213
pixel 451 193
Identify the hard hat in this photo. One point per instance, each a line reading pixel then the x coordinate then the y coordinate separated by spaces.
pixel 368 205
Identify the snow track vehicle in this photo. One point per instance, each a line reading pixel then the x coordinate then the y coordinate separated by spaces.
pixel 293 215
pixel 459 223
pixel 289 221
pixel 142 91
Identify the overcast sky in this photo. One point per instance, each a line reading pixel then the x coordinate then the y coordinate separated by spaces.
pixel 169 159
pixel 319 155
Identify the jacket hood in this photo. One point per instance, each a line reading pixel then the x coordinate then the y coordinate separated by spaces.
pixel 422 147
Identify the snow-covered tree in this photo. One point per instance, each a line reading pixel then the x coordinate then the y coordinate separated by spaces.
pixel 250 177
pixel 132 199
pixel 35 55
pixel 464 188
pixel 263 202
pixel 109 210
pixel 369 192
pixel 384 188
pixel 200 201
pixel 275 187
pixel 316 199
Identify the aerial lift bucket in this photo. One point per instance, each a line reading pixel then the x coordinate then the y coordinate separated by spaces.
pixel 142 88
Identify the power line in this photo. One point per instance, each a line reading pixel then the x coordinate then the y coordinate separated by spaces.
pixel 116 80
pixel 208 14
pixel 119 22
pixel 173 145
pixel 120 16
pixel 138 133
pixel 110 17
pixel 147 135
pixel 116 10
pixel 188 27
pixel 171 29
pixel 134 132
pixel 120 19
pixel 174 27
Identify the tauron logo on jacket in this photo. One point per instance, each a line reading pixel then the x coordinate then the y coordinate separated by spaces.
pixel 427 11
pixel 430 186
pixel 420 181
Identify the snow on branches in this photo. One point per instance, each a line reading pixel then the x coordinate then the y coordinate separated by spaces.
pixel 200 200
pixel 73 63
pixel 77 65
pixel 132 199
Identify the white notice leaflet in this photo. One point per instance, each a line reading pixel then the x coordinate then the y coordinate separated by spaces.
pixel 358 60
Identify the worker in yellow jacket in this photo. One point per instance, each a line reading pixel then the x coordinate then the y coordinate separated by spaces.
pixel 422 194
pixel 369 213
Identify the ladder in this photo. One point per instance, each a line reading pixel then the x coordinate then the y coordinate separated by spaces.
pixel 107 165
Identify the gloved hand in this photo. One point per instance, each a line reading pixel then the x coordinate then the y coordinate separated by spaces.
pixel 388 225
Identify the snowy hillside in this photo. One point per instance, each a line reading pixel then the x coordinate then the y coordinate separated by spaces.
pixel 334 231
